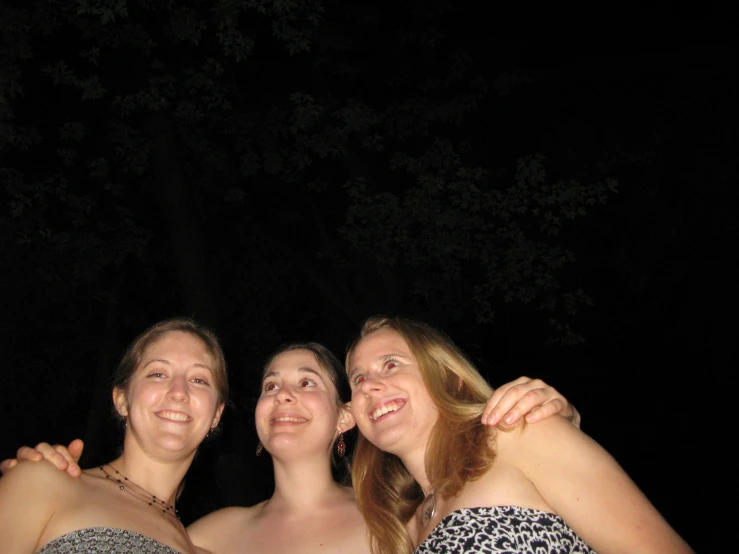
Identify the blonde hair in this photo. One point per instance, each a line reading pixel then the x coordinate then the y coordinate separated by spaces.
pixel 458 450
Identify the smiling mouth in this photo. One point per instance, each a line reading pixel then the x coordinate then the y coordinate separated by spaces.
pixel 288 419
pixel 173 416
pixel 385 409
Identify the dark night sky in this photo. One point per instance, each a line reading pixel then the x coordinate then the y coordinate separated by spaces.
pixel 650 105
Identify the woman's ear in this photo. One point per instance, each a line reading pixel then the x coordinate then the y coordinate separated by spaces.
pixel 217 416
pixel 346 421
pixel 120 401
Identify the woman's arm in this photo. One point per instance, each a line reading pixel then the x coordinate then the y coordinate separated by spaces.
pixel 585 486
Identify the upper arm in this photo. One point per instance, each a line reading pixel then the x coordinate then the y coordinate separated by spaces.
pixel 35 487
pixel 585 485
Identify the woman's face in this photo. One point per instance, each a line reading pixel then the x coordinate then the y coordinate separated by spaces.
pixel 297 411
pixel 171 402
pixel 390 402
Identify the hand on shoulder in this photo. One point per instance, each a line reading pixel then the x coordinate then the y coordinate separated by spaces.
pixel 544 433
pixel 37 476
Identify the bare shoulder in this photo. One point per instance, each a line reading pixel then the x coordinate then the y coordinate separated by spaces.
pixel 42 479
pixel 226 516
pixel 585 485
pixel 552 432
pixel 41 489
pixel 552 451
pixel 206 530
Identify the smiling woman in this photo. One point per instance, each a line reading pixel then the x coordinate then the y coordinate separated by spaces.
pixel 170 389
pixel 300 390
pixel 431 477
pixel 176 382
pixel 301 420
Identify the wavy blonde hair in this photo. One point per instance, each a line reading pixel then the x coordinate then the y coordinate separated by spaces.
pixel 458 450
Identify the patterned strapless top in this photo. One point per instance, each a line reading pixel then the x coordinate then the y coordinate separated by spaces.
pixel 105 539
pixel 509 529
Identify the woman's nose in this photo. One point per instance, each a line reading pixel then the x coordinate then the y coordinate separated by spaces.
pixel 285 394
pixel 178 389
pixel 370 383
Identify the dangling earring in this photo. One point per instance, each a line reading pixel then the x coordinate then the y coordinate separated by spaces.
pixel 259 448
pixel 341 446
pixel 123 417
pixel 210 433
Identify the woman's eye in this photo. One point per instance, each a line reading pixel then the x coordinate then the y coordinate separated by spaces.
pixel 200 381
pixel 391 364
pixel 307 383
pixel 157 374
pixel 268 387
pixel 359 379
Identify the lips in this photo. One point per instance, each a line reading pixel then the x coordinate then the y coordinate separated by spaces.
pixel 172 415
pixel 383 408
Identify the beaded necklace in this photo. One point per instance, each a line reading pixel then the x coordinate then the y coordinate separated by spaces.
pixel 140 493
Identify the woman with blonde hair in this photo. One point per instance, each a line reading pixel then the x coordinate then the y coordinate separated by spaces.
pixel 429 477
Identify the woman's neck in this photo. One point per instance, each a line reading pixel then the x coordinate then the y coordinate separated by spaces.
pixel 416 465
pixel 304 485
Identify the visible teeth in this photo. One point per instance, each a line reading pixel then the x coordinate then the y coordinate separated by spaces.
pixel 287 418
pixel 386 408
pixel 174 416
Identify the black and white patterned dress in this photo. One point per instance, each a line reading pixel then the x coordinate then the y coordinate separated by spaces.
pixel 503 529
pixel 105 539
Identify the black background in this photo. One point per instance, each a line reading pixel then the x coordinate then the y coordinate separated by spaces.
pixel 644 98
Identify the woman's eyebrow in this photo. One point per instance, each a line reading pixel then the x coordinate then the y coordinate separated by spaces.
pixel 167 362
pixel 160 360
pixel 392 355
pixel 305 369
pixel 382 358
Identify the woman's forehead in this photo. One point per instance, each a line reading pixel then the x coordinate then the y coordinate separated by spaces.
pixel 379 343
pixel 298 359
pixel 178 343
